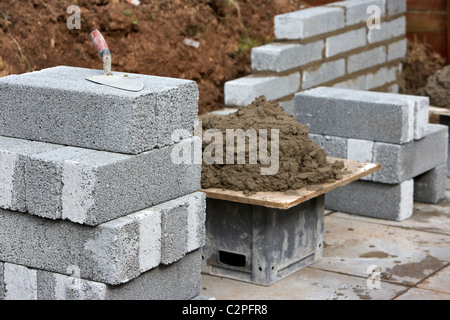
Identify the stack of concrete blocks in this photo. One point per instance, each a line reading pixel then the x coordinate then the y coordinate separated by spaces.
pixel 385 128
pixel 91 204
pixel 338 45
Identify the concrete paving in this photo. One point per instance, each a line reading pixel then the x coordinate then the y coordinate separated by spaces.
pixel 365 258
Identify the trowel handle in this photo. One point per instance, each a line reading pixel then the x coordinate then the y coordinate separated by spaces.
pixel 102 49
pixel 99 43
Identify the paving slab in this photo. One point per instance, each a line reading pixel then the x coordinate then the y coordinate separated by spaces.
pixel 438 282
pixel 422 294
pixel 306 284
pixel 405 256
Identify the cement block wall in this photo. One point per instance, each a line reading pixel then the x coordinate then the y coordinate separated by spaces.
pixel 92 204
pixel 329 45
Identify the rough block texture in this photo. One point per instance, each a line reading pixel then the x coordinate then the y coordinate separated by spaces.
pixel 13 156
pixel 178 281
pixel 372 116
pixel 395 7
pixel 377 200
pixel 279 57
pixel 430 187
pixel 380 77
pixel 325 72
pixel 345 42
pixel 388 30
pixel 91 187
pixel 333 146
pixel 114 252
pixel 58 105
pixel 299 25
pixel 402 162
pixel 397 50
pixel 356 10
pixel 2 280
pixel 366 59
pixel 398 162
pixel 242 91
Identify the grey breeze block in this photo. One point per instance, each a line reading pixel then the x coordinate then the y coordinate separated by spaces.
pixel 398 162
pixel 112 253
pixel 372 199
pixel 430 187
pixel 91 187
pixel 13 156
pixel 178 281
pixel 373 116
pixel 58 105
pixel 302 24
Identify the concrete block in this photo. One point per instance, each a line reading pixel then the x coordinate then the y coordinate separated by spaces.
pixel 114 252
pixel 280 57
pixel 355 114
pixel 358 83
pixel 356 10
pixel 13 156
pixel 302 24
pixel 366 59
pixel 388 30
pixel 182 229
pixel 402 162
pixel 261 245
pixel 397 50
pixel 91 187
pixel 58 105
pixel 377 200
pixel 333 146
pixel 345 42
pixel 395 7
pixel 430 187
pixel 20 282
pixel 242 91
pixel 360 150
pixel 381 77
pixel 288 106
pixel 2 281
pixel 178 281
pixel 326 72
pixel 445 120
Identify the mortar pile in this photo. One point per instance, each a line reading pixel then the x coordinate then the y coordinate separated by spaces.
pixel 301 163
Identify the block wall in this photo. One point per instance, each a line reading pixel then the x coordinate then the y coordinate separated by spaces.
pixel 330 45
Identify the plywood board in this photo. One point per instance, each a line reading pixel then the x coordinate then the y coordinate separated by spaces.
pixel 290 198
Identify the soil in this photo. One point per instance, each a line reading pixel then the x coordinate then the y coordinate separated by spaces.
pixel 302 163
pixel 145 39
pixel 438 88
pixel 421 62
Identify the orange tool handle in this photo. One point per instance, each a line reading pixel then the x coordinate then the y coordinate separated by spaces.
pixel 99 43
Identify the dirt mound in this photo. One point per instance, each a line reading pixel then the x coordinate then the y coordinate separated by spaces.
pixel 300 161
pixel 420 63
pixel 146 39
pixel 438 88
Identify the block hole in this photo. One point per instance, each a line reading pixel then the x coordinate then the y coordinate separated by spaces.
pixel 231 259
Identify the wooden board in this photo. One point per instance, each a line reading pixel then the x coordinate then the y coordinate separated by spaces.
pixel 286 200
pixel 435 113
